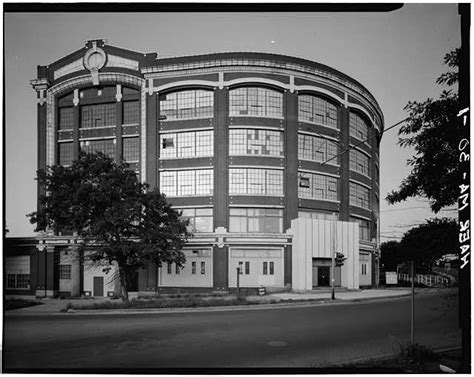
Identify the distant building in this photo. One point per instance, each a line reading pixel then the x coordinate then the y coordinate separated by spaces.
pixel 242 142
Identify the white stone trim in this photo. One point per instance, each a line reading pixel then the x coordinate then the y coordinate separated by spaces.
pixel 312 88
pixel 120 62
pixel 360 183
pixel 206 83
pixel 319 173
pixel 118 96
pixel 369 115
pixel 256 206
pixel 181 130
pixel 143 133
pixel 257 166
pixel 323 136
pixel 75 66
pixel 50 129
pixel 360 217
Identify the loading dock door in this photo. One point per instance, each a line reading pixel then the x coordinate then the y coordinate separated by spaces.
pixel 98 286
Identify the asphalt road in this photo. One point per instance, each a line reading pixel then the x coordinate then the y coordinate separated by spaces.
pixel 303 337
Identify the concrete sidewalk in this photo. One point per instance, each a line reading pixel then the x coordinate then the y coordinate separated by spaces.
pixel 54 306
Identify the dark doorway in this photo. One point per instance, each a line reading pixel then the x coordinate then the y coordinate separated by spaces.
pixel 323 276
pixel 98 286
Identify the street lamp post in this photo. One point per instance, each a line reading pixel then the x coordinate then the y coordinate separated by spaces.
pixel 238 281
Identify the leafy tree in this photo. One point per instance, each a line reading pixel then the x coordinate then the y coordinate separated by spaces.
pixel 390 255
pixel 118 219
pixel 426 243
pixel 433 129
pixel 423 244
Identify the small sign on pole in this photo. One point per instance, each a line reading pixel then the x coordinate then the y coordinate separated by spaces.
pixel 391 278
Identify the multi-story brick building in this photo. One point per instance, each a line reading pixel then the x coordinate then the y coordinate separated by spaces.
pixel 243 143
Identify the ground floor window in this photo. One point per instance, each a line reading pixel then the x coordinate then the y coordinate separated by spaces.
pixel 65 272
pixel 268 268
pixel 18 280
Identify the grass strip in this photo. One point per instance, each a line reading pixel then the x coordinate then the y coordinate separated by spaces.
pixel 18 303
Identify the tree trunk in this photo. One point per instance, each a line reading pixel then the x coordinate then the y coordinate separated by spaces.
pixel 123 283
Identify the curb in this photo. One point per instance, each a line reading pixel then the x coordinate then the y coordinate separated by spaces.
pixel 389 356
pixel 278 305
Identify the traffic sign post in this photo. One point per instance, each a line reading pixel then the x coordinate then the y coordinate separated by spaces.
pixel 238 281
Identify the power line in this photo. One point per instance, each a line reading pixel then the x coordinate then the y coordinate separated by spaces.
pixel 362 142
pixel 401 209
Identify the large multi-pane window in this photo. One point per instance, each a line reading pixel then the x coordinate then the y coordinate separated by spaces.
pixel 196 103
pixel 316 110
pixel 255 220
pixel 18 280
pixel 255 102
pixel 255 142
pixel 131 112
pixel 66 118
pixel 187 182
pixel 106 146
pixel 359 162
pixel 308 214
pixel 255 182
pixel 359 195
pixel 364 228
pixel 315 148
pixel 317 186
pixel 131 149
pixel 65 153
pixel 358 127
pixel 93 116
pixel 187 144
pixel 200 219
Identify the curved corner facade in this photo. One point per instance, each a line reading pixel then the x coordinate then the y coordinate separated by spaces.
pixel 243 143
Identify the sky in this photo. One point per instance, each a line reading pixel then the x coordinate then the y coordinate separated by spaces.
pixel 396 55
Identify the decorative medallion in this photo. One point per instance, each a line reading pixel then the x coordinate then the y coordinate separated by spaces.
pixel 95 59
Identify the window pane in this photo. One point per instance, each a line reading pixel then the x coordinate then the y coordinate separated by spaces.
pixel 255 102
pixel 317 110
pixel 256 182
pixel 65 153
pixel 93 116
pixel 358 128
pixel 187 144
pixel 315 148
pixel 131 112
pixel 22 281
pixel 187 104
pixel 317 186
pixel 359 195
pixel 131 151
pixel 168 146
pixel 65 272
pixel 106 146
pixel 255 220
pixel 66 118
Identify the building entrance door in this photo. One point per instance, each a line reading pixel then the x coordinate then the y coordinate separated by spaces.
pixel 323 276
pixel 98 286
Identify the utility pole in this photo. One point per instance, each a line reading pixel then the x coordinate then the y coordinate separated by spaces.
pixel 333 256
